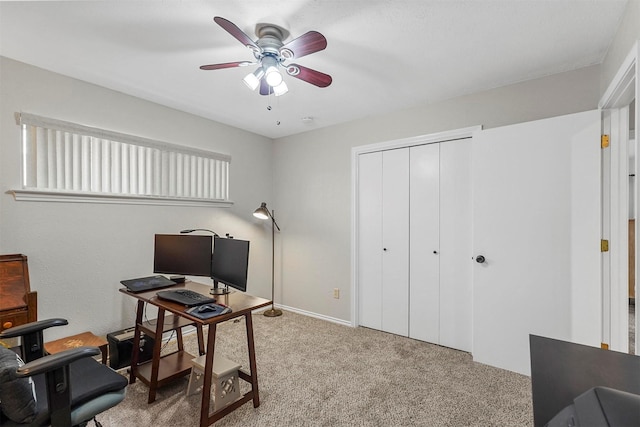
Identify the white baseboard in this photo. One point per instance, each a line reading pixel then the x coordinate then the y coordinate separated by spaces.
pixel 316 315
pixel 190 329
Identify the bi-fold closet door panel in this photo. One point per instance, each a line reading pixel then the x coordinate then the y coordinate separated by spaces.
pixel 456 250
pixel 383 240
pixel 395 241
pixel 370 240
pixel 424 243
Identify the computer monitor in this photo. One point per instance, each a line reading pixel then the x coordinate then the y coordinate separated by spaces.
pixel 230 264
pixel 180 254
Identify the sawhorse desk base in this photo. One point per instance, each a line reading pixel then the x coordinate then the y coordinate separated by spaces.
pixel 163 369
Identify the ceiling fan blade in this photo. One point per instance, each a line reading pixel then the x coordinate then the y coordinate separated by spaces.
pixel 265 89
pixel 225 65
pixel 236 32
pixel 306 44
pixel 309 75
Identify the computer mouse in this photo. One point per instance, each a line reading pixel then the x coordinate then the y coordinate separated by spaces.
pixel 205 308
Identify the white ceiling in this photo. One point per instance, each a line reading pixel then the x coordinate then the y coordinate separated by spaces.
pixel 383 55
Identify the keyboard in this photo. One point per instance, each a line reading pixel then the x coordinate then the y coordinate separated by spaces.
pixel 185 297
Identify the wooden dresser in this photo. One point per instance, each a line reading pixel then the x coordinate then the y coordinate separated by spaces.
pixel 18 305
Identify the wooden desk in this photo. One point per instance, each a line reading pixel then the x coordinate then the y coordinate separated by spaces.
pixel 161 370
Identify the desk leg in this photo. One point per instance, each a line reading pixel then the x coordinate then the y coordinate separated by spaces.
pixel 200 338
pixel 105 352
pixel 208 373
pixel 179 338
pixel 155 362
pixel 252 360
pixel 135 352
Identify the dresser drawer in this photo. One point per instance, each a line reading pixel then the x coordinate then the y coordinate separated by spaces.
pixel 11 318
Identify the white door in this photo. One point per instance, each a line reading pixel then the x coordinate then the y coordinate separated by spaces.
pixel 395 241
pixel 455 245
pixel 424 283
pixel 533 201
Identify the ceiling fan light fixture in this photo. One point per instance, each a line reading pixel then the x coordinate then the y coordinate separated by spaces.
pixel 273 76
pixel 252 80
pixel 281 89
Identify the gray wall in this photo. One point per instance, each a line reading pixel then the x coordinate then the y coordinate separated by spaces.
pixel 312 176
pixel 627 35
pixel 78 252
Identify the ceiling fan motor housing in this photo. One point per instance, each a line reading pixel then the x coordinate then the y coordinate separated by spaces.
pixel 270 41
pixel 264 29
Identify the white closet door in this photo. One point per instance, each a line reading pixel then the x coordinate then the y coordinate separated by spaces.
pixel 455 245
pixel 424 284
pixel 395 241
pixel 370 239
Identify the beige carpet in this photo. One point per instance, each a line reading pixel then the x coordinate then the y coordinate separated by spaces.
pixel 316 373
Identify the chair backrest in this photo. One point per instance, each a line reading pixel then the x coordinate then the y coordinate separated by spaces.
pixel 18 305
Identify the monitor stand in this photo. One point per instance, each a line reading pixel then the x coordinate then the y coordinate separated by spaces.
pixel 219 291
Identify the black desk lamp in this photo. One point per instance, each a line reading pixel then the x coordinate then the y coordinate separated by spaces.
pixel 199 229
pixel 263 213
pixel 215 290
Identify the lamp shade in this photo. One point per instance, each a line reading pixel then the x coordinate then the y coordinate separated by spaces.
pixel 281 89
pixel 262 212
pixel 252 80
pixel 271 74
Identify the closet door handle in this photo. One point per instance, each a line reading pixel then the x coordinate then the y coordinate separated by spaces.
pixel 384 249
pixel 480 259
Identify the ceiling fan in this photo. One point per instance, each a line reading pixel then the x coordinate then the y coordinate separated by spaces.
pixel 272 54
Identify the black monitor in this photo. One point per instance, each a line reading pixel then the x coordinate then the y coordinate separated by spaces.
pixel 180 254
pixel 230 264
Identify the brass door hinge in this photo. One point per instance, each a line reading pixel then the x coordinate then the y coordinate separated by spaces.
pixel 604 245
pixel 604 141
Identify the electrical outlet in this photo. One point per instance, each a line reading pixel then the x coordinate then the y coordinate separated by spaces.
pixel 336 293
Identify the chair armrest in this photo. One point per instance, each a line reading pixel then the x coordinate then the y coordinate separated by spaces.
pixel 55 361
pixel 28 328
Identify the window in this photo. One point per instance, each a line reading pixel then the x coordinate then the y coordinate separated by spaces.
pixel 62 160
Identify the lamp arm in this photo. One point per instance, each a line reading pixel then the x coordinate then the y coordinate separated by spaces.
pixel 273 219
pixel 200 229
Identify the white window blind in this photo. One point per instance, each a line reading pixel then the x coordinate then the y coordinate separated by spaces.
pixel 64 157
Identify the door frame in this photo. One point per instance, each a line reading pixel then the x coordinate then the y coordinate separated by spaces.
pixel 622 90
pixel 451 135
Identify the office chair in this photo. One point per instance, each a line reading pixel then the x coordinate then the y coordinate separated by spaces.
pixel 70 387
